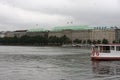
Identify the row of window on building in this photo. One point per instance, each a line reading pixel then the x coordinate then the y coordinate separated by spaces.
pixel 92 34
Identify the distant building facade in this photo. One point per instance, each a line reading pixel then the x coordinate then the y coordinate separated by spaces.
pixel 9 34
pixel 117 35
pixel 55 33
pixel 31 34
pixel 17 33
pixel 20 33
pixel 103 34
pixel 81 33
pixel 90 34
pixel 72 32
pixel 2 34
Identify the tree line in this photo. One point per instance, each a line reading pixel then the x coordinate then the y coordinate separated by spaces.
pixel 104 41
pixel 35 40
pixel 45 40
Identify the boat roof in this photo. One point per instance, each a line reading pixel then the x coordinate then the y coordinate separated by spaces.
pixel 106 44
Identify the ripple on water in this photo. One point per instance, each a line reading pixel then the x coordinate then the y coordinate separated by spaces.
pixel 53 63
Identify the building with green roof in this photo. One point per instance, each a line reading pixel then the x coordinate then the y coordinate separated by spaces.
pixel 82 32
pixel 81 27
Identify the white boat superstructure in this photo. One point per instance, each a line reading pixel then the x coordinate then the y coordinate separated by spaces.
pixel 105 52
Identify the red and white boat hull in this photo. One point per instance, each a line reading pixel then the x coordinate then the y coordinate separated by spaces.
pixel 104 58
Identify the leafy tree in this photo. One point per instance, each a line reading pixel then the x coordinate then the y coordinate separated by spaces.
pixel 89 41
pixel 94 42
pixel 98 41
pixel 64 39
pixel 35 40
pixel 77 41
pixel 105 41
pixel 114 41
pixel 52 39
pixel 84 42
pixel 119 41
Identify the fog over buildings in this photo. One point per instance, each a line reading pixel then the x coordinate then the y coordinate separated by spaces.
pixel 26 14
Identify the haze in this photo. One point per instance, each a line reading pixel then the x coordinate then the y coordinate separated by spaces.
pixel 26 14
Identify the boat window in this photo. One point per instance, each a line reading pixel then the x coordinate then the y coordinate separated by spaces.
pixel 106 49
pixel 101 48
pixel 96 47
pixel 112 47
pixel 117 48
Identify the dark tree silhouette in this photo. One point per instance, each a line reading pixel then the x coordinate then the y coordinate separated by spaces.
pixel 105 41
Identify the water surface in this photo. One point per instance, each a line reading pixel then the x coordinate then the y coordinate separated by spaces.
pixel 53 63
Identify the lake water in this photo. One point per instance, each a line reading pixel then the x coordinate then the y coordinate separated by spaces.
pixel 53 63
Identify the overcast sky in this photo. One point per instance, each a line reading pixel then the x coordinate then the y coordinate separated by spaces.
pixel 26 14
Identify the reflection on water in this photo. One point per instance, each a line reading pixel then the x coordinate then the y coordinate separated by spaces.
pixel 43 63
pixel 53 63
pixel 110 70
pixel 43 67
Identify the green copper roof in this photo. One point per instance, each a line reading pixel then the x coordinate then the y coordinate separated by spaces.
pixel 36 30
pixel 60 28
pixel 81 27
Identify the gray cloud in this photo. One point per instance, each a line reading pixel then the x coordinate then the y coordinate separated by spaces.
pixel 23 14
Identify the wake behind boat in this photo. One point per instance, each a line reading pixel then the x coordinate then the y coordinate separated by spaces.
pixel 105 52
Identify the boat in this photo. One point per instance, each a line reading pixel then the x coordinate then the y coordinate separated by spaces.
pixel 105 52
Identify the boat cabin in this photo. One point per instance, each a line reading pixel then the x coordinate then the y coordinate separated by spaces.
pixel 105 52
pixel 106 48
